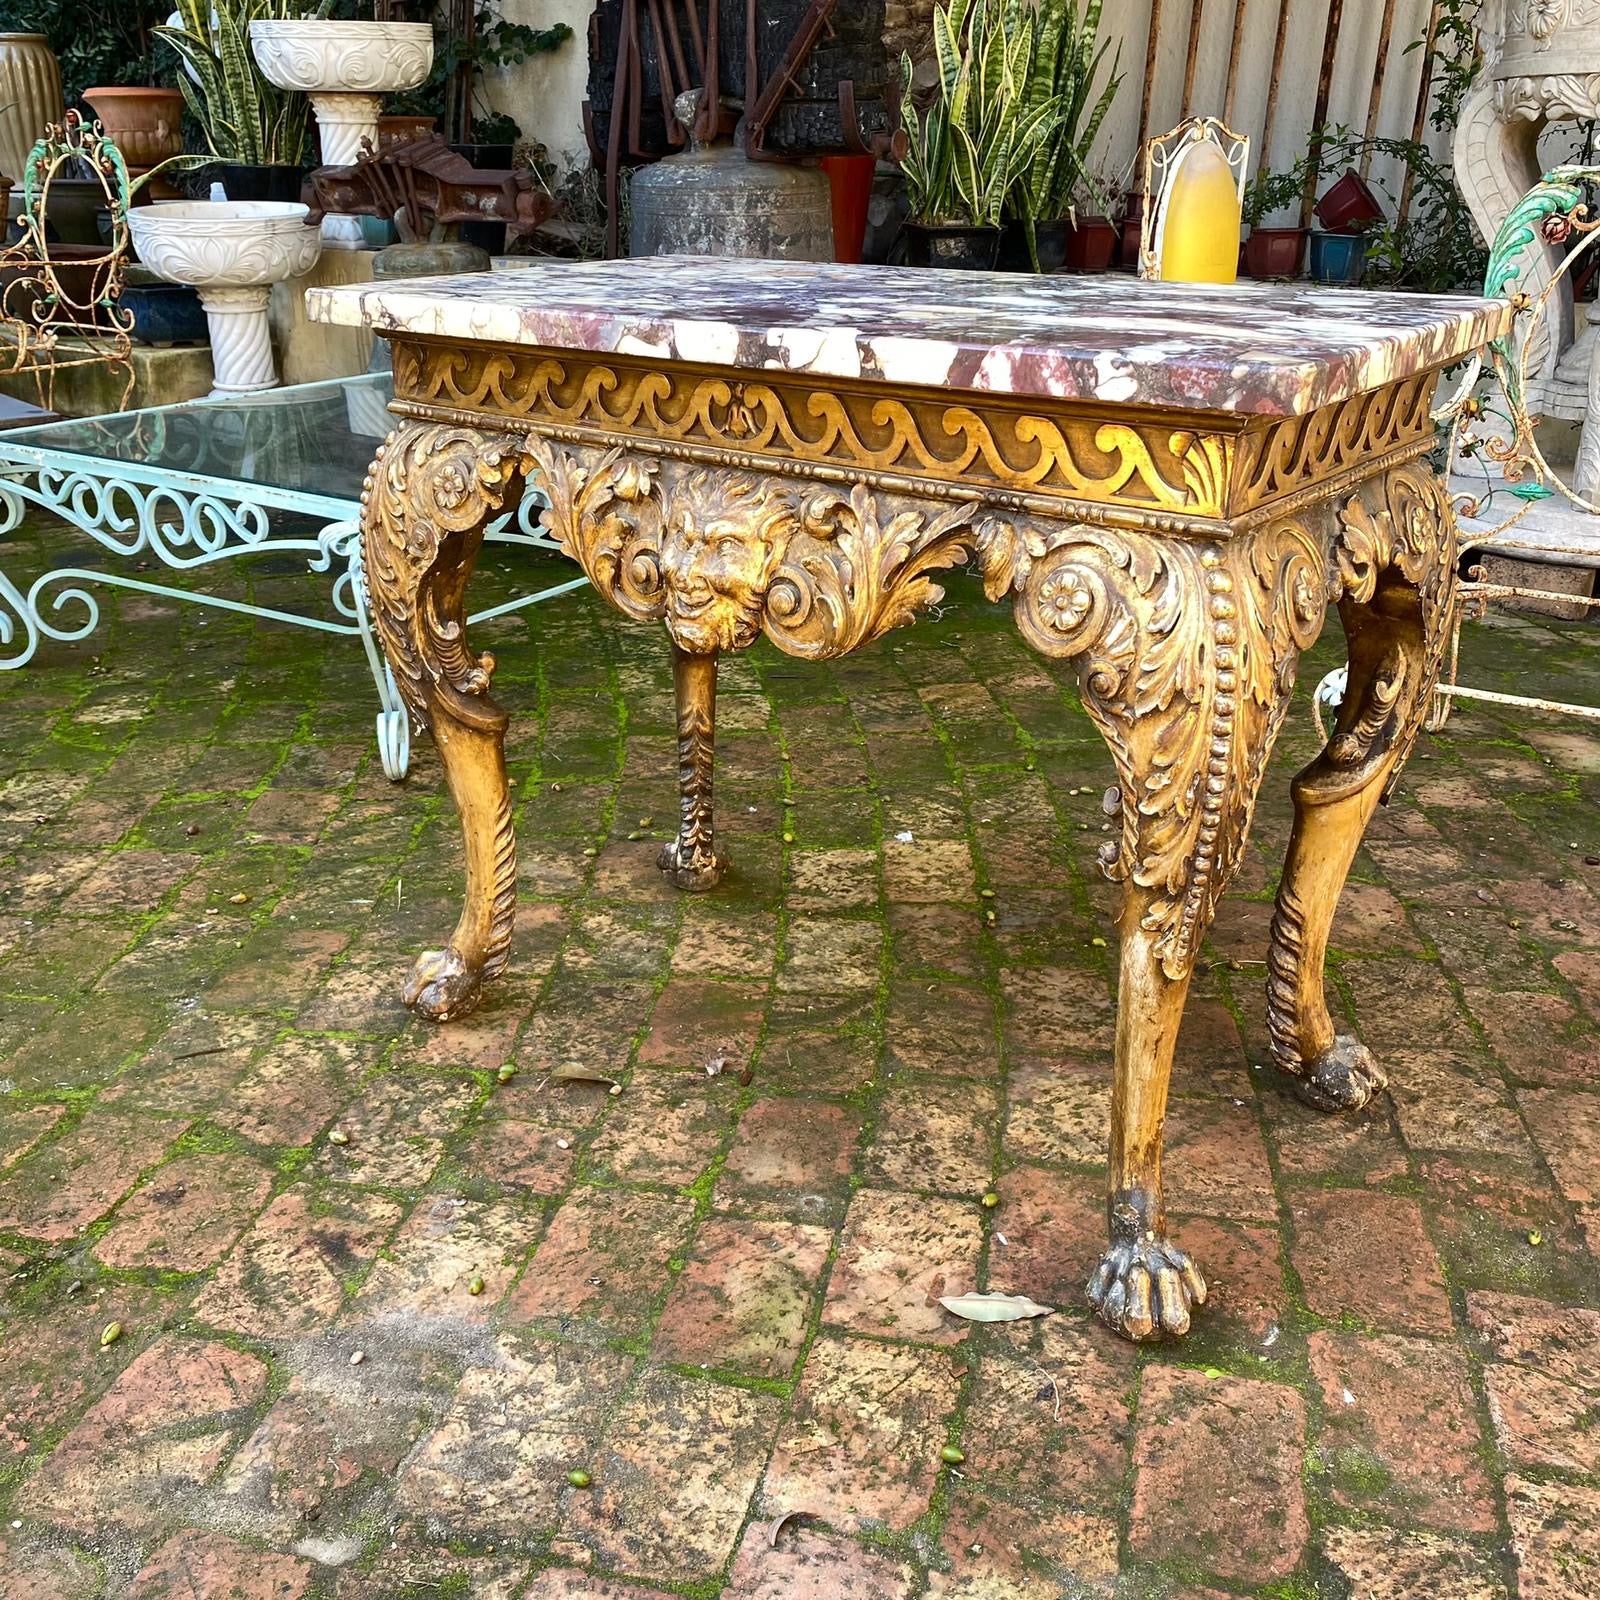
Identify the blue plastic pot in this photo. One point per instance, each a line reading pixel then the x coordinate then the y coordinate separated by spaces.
pixel 165 313
pixel 1338 257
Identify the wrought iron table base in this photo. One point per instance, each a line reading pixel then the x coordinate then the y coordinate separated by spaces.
pixel 193 522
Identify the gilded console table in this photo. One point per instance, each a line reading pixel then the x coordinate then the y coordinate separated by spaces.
pixel 1172 483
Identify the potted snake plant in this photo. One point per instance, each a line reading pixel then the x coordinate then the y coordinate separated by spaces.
pixel 256 132
pixel 967 148
pixel 1058 187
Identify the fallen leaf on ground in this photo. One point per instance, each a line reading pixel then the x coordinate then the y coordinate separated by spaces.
pixel 993 1307
pixel 576 1072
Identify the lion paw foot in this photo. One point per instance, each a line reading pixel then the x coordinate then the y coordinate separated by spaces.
pixel 1343 1078
pixel 695 871
pixel 443 985
pixel 1145 1290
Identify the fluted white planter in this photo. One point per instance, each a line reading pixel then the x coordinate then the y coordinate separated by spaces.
pixel 346 68
pixel 232 252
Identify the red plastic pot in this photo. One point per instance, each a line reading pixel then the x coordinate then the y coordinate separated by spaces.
pixel 1274 252
pixel 850 192
pixel 1091 244
pixel 1349 206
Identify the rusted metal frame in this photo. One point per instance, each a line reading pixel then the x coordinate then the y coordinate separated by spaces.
pixel 619 91
pixel 711 105
pixel 1148 88
pixel 1270 119
pixel 1424 95
pixel 1197 17
pixel 810 30
pixel 1380 68
pixel 1319 112
pixel 696 37
pixel 664 76
pixel 1231 93
pixel 680 65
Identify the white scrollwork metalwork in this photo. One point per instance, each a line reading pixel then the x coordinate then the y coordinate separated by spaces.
pixel 189 526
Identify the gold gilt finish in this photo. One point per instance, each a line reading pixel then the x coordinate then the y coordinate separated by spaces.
pixel 1182 564
pixel 1125 461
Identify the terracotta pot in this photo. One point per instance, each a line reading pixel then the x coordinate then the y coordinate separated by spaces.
pixel 1091 245
pixel 393 130
pixel 30 85
pixel 1349 205
pixel 1132 233
pixel 1274 252
pixel 145 124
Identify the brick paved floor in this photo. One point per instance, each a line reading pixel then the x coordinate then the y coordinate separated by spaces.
pixel 716 1295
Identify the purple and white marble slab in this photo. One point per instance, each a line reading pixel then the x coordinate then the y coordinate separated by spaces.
pixel 1269 349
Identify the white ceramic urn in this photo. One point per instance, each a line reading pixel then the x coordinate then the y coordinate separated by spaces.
pixel 346 68
pixel 232 252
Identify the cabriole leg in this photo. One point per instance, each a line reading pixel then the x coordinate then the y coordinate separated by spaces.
pixel 428 496
pixel 1186 654
pixel 1396 620
pixel 693 860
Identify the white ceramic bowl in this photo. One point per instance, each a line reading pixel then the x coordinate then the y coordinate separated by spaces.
pixel 224 244
pixel 329 57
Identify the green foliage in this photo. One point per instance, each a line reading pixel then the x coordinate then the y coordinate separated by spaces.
pixel 1436 249
pixel 97 42
pixel 244 118
pixel 1274 191
pixel 1066 64
pixel 1457 59
pixel 975 142
pixel 495 43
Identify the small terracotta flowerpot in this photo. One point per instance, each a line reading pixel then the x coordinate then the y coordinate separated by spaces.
pixel 1349 206
pixel 1274 252
pixel 145 124
pixel 1092 244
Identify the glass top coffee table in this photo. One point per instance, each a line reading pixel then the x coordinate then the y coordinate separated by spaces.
pixel 198 484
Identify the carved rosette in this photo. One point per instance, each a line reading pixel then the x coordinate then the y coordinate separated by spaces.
pixel 723 555
pixel 1186 654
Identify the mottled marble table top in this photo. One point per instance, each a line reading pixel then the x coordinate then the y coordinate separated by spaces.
pixel 1248 347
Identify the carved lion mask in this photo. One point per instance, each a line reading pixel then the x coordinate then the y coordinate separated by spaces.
pixel 724 538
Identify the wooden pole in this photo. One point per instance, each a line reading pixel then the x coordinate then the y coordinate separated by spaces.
pixel 1269 121
pixel 1319 112
pixel 1197 17
pixel 1149 72
pixel 1232 94
pixel 1379 68
pixel 1424 95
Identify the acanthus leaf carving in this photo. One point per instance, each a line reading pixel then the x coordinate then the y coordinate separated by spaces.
pixel 721 555
pixel 427 496
pixel 1186 655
